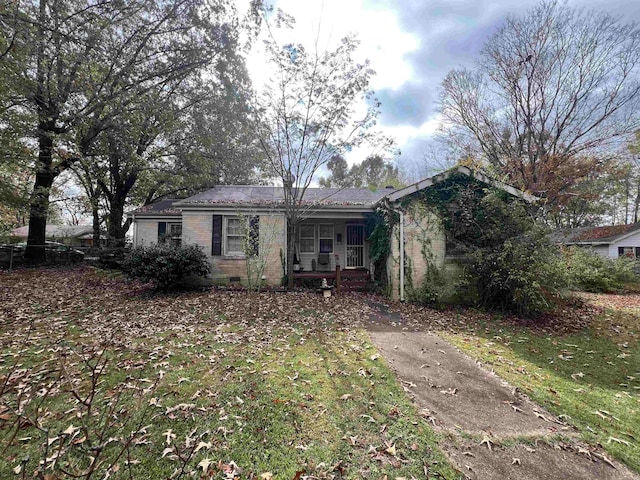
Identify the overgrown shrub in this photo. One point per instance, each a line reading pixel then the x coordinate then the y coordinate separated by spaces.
pixel 524 275
pixel 378 228
pixel 166 266
pixel 511 264
pixel 591 272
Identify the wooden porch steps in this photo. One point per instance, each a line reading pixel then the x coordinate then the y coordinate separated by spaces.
pixel 355 280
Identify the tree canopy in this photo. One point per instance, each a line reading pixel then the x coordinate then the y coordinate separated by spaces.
pixel 373 172
pixel 82 72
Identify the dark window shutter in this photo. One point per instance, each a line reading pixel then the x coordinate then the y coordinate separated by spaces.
pixel 162 231
pixel 216 239
pixel 254 234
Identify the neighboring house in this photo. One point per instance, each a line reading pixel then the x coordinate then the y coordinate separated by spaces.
pixel 611 241
pixel 76 235
pixel 332 235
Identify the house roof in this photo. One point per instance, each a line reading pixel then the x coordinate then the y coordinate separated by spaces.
pixel 258 195
pixel 161 207
pixel 441 177
pixel 591 235
pixel 58 231
pixel 336 198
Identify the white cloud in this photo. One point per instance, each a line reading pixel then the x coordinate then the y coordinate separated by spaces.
pixel 382 39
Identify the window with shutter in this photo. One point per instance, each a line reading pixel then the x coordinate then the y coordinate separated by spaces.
pixel 230 234
pixel 216 237
pixel 254 234
pixel 162 232
pixel 234 236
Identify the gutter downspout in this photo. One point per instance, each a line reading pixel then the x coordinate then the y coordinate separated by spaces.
pixel 401 256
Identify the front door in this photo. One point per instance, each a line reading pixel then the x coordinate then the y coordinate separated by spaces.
pixel 355 246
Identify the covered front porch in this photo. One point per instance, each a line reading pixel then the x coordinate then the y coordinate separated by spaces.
pixel 325 244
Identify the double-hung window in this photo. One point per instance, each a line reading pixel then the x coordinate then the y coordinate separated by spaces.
pixel 307 238
pixel 629 252
pixel 170 233
pixel 234 236
pixel 325 237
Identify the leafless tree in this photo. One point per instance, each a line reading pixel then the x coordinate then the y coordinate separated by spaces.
pixel 308 114
pixel 553 94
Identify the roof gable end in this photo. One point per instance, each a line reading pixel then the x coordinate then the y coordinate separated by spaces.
pixel 441 177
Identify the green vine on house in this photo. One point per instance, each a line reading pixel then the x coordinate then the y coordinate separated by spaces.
pixel 508 262
pixel 378 229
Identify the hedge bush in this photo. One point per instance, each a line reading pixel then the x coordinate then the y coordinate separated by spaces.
pixel 591 272
pixel 166 266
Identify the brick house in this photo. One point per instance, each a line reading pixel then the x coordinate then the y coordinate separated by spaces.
pixel 333 234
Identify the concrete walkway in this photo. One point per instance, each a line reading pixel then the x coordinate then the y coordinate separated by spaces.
pixel 481 414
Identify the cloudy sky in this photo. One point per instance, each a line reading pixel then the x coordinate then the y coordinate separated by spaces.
pixel 412 44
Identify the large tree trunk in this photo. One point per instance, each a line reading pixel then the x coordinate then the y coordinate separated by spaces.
pixel 116 230
pixel 39 203
pixel 117 227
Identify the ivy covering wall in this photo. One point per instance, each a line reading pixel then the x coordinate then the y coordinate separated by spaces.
pixel 378 230
pixel 505 259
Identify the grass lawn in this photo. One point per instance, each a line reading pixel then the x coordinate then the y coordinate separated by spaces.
pixel 588 373
pixel 99 377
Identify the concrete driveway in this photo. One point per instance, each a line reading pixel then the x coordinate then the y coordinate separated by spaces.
pixel 492 430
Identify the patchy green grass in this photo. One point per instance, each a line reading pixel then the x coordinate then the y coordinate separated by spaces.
pixel 591 378
pixel 98 377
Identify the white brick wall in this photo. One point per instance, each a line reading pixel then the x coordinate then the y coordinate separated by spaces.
pixel 197 229
pixel 146 232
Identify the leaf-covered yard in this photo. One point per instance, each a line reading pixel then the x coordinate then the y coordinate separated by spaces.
pixel 583 365
pixel 99 377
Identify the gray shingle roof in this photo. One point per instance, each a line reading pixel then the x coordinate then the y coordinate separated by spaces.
pixel 269 195
pixel 161 207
